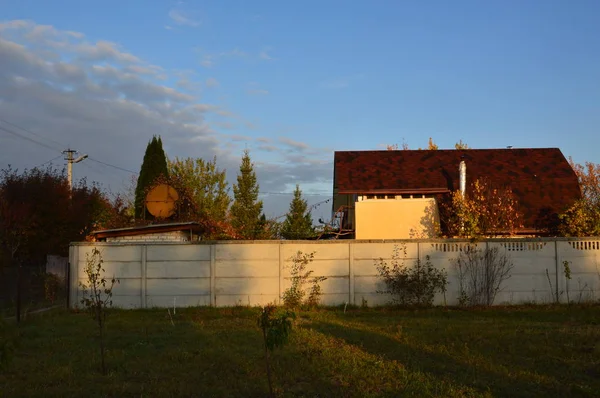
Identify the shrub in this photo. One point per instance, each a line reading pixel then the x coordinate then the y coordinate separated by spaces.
pixel 481 273
pixel 293 297
pixel 54 287
pixel 411 285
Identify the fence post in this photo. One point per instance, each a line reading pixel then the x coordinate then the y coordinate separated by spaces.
pixel 144 278
pixel 351 298
pixel 280 271
pixel 556 261
pixel 213 293
pixel 74 276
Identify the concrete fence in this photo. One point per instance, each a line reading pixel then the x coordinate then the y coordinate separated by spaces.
pixel 229 273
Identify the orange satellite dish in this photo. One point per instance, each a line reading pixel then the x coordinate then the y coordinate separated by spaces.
pixel 160 201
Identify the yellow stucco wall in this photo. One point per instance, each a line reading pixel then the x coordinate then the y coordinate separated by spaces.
pixel 397 218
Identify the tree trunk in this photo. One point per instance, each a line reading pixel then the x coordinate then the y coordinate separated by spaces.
pixel 19 293
pixel 268 365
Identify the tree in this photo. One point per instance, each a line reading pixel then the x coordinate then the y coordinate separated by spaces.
pixel 431 145
pixel 207 185
pixel 298 221
pixel 97 295
pixel 46 215
pixel 487 210
pixel 461 145
pixel 40 215
pixel 246 210
pixel 583 217
pixel 153 165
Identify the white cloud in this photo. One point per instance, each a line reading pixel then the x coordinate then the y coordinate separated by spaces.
pixel 257 91
pixel 341 82
pixel 183 18
pixel 301 146
pixel 209 60
pixel 107 102
pixel 212 82
pixel 264 54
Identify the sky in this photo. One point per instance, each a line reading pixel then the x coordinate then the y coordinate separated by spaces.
pixel 292 82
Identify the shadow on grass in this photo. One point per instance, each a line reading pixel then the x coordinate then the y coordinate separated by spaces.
pixel 444 365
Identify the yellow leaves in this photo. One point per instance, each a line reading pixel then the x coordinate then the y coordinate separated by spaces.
pixel 485 211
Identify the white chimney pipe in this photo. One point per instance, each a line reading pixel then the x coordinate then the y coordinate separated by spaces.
pixel 462 169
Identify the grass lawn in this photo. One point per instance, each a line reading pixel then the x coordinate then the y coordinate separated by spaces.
pixel 546 351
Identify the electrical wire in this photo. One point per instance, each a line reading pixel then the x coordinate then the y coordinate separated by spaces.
pixel 28 139
pixel 291 193
pixel 112 165
pixel 49 161
pixel 31 132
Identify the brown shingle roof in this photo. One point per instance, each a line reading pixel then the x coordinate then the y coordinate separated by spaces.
pixel 541 178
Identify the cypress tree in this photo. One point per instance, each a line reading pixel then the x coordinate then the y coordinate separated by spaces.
pixel 153 165
pixel 246 209
pixel 298 221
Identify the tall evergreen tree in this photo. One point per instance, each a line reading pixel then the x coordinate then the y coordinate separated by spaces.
pixel 153 165
pixel 298 221
pixel 246 210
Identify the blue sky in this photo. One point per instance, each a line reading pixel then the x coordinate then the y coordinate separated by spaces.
pixel 294 81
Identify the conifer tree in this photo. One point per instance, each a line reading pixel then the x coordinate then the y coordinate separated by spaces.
pixel 153 165
pixel 298 221
pixel 246 210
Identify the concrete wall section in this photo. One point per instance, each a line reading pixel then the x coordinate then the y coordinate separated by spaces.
pixel 257 273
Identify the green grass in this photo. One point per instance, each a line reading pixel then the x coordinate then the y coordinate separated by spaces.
pixel 545 351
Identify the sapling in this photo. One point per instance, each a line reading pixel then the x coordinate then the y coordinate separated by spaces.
pixel 97 294
pixel 294 296
pixel 276 328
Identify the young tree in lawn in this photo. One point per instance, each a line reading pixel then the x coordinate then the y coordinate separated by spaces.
pixel 246 210
pixel 583 218
pixel 298 221
pixel 207 184
pixel 153 165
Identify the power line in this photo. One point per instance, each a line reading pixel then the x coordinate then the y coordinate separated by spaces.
pixel 28 139
pixel 31 132
pixel 113 166
pixel 291 193
pixel 49 161
pixel 309 208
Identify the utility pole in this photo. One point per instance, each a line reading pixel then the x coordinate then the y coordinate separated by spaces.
pixel 69 157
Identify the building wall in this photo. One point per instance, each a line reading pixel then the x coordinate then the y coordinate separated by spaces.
pixel 173 236
pixel 397 218
pixel 256 273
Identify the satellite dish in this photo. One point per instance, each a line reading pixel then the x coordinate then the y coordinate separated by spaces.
pixel 160 201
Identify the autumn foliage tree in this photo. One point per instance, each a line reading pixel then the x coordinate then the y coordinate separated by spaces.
pixel 39 216
pixel 486 210
pixel 208 185
pixel 583 218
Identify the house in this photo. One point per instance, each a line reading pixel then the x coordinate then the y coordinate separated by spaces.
pixel 393 194
pixel 171 232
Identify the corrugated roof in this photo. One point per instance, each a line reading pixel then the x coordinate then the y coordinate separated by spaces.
pixel 541 178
